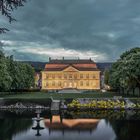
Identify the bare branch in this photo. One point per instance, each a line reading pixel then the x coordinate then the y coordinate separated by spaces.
pixel 3 30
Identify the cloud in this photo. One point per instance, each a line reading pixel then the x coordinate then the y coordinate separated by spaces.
pixel 42 53
pixel 106 28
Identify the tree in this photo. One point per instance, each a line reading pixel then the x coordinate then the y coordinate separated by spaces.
pixel 114 76
pixel 1 46
pixel 15 75
pixel 5 78
pixel 9 128
pixel 125 129
pixel 22 75
pixel 30 73
pixel 106 76
pixel 6 8
pixel 125 73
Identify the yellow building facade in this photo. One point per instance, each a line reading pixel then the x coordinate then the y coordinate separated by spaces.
pixel 71 74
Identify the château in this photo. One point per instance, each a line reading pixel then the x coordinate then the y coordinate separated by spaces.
pixel 81 74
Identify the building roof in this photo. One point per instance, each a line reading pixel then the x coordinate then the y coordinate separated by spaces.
pixel 69 124
pixel 80 69
pixel 71 61
pixel 79 64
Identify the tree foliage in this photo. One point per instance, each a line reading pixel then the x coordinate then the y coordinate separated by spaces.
pixel 125 73
pixel 9 128
pixel 106 76
pixel 15 75
pixel 6 8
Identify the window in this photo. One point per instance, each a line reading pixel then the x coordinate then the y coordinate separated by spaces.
pixel 47 76
pixel 94 76
pixel 65 76
pixel 81 75
pixel 59 76
pixel 81 83
pixel 87 83
pixel 53 83
pixel 53 76
pixel 70 76
pixel 75 76
pixel 87 76
pixel 59 83
pixel 94 84
pixel 47 84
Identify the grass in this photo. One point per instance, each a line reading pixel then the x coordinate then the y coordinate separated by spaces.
pixel 43 95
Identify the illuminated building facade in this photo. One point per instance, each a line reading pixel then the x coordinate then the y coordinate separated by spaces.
pixel 81 74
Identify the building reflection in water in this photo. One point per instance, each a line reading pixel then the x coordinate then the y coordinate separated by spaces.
pixel 54 126
pixel 56 123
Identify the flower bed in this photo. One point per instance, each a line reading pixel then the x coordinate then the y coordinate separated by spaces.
pixel 102 104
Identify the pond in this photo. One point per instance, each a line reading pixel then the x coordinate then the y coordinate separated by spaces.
pixel 69 125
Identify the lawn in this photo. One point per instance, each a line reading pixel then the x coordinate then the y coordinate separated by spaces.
pixel 43 95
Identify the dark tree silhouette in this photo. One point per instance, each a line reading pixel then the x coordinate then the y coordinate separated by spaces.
pixel 6 8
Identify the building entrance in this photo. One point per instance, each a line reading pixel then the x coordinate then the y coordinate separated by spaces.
pixel 70 84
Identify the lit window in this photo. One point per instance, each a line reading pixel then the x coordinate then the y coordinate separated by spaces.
pixel 81 83
pixel 53 76
pixel 94 84
pixel 94 76
pixel 59 76
pixel 70 76
pixel 75 76
pixel 81 75
pixel 47 76
pixel 65 76
pixel 47 84
pixel 53 83
pixel 87 83
pixel 87 76
pixel 59 83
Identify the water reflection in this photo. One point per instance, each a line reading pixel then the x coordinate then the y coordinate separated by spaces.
pixel 64 125
pixel 126 130
pixel 10 127
pixel 37 120
pixel 69 126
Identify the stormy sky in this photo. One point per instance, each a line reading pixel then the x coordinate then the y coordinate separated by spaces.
pixel 97 29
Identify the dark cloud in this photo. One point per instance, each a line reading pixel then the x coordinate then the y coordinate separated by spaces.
pixel 105 27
